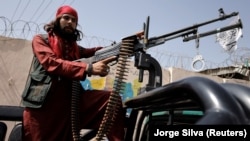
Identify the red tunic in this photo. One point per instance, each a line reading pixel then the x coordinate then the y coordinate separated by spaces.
pixel 52 122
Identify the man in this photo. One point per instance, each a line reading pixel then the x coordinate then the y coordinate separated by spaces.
pixel 47 98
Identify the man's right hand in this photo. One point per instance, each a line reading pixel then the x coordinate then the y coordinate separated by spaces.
pixel 101 68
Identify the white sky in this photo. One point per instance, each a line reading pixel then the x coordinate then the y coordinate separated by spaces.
pixel 114 19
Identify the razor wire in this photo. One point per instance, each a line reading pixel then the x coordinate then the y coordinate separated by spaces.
pixel 240 57
pixel 27 29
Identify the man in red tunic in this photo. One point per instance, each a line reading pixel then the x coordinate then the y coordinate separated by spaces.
pixel 51 121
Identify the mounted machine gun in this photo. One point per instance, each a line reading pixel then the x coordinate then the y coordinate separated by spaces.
pixel 136 45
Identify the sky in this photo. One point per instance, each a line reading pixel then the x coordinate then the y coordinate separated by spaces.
pixel 112 20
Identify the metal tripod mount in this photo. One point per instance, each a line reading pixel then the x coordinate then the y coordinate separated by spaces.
pixel 144 61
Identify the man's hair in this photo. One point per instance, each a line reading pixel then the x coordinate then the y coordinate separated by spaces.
pixel 54 26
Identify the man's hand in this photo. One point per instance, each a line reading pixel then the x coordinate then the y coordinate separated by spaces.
pixel 101 68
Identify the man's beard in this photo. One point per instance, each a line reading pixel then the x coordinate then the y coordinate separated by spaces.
pixel 67 33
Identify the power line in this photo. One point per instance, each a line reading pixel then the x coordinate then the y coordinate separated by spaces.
pixel 15 10
pixel 40 5
pixel 24 9
pixel 43 11
pixel 72 2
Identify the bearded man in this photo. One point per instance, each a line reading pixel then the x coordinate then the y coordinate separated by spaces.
pixel 47 96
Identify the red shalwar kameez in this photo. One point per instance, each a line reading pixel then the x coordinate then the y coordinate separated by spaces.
pixel 52 121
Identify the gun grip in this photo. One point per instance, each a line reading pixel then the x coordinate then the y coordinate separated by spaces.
pixel 141 72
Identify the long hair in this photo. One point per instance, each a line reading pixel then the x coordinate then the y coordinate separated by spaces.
pixel 54 26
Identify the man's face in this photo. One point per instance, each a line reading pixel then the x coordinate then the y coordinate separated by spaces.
pixel 68 23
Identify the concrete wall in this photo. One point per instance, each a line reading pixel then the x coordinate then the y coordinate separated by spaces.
pixel 132 85
pixel 15 60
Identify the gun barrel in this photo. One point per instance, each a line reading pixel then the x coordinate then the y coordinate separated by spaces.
pixel 200 24
pixel 154 41
pixel 237 25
